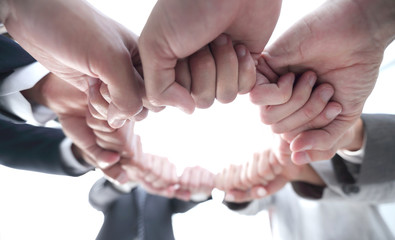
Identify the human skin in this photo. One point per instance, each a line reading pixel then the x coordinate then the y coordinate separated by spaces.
pixel 343 42
pixel 177 29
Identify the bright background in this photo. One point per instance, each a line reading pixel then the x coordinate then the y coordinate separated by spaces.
pixel 38 206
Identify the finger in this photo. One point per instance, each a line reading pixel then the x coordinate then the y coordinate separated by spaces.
pixel 96 100
pixel 183 75
pixel 247 70
pixel 116 173
pixel 321 139
pixel 305 157
pixel 331 111
pixel 274 163
pixel 252 175
pixel 245 182
pixel 313 107
pixel 184 180
pixel 266 93
pixel 105 93
pixel 300 95
pixel 161 88
pixel 122 83
pixel 230 177
pixel 272 187
pixel 236 183
pixel 238 196
pixel 264 171
pixel 97 124
pixel 226 69
pixel 202 67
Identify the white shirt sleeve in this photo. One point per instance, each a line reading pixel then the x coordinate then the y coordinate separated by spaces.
pixel 354 156
pixel 68 157
pixel 14 102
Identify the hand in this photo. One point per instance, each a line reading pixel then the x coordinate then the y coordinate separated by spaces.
pixel 160 176
pixel 346 55
pixel 80 45
pixel 218 71
pixel 195 181
pixel 177 29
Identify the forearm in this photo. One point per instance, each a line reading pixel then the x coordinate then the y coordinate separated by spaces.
pixel 4 10
pixel 381 17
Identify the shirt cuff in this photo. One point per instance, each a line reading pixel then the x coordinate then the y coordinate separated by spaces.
pixel 199 197
pixel 354 156
pixel 68 157
pixel 14 102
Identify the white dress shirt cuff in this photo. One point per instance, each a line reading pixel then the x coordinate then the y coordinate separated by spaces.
pixel 354 156
pixel 14 102
pixel 68 157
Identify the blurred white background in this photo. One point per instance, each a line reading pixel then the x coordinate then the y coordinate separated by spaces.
pixel 46 207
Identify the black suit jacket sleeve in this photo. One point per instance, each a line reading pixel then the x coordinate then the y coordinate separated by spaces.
pixel 12 56
pixel 27 147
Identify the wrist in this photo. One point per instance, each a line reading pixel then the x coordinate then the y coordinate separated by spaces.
pixel 380 15
pixel 4 10
pixel 357 137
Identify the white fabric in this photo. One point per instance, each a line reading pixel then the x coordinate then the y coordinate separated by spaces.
pixel 354 156
pixel 293 217
pixel 14 102
pixel 68 157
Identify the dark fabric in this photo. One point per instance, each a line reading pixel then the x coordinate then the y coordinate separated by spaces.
pixel 341 171
pixel 32 148
pixel 12 56
pixel 236 206
pixel 307 190
pixel 122 211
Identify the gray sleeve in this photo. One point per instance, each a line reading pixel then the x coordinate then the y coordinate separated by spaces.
pixel 103 194
pixel 253 207
pixel 370 193
pixel 379 161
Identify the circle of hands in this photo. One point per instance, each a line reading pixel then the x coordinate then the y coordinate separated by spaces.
pixel 310 84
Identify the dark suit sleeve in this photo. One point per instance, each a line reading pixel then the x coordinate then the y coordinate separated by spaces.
pixel 180 206
pixel 12 56
pixel 32 148
pixel 379 159
pixel 103 194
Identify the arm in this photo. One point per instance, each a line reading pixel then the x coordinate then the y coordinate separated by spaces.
pixel 347 56
pixel 52 33
pixel 34 148
pixel 177 29
pixel 103 193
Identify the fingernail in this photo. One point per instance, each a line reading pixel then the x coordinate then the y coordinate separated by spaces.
pixel 241 51
pixel 261 192
pixel 221 40
pixel 303 158
pixel 332 113
pixel 305 148
pixel 117 123
pixel 326 94
pixel 186 110
pixel 312 79
pixel 229 198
